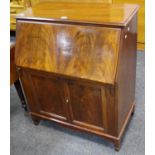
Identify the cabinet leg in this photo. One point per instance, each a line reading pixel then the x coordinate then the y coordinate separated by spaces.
pixel 35 120
pixel 20 94
pixel 117 145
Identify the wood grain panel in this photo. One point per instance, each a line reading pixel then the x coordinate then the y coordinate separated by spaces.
pixel 109 109
pixel 45 93
pixel 86 104
pixel 93 107
pixel 49 95
pixel 81 51
pixel 126 74
pixel 97 13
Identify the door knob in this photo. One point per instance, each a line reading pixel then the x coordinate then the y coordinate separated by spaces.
pixel 67 100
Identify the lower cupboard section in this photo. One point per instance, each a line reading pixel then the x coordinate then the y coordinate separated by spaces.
pixel 85 105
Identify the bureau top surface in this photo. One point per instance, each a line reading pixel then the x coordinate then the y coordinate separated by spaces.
pixel 89 13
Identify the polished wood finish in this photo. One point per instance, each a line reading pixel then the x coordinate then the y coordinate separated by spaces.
pixel 141 21
pixel 59 47
pixel 49 87
pixel 94 13
pixel 80 74
pixel 127 60
pixel 14 77
pixel 86 101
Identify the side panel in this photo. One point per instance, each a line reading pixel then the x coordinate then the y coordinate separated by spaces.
pixel 126 72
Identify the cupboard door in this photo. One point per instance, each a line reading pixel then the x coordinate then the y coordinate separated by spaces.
pixel 86 105
pixel 48 95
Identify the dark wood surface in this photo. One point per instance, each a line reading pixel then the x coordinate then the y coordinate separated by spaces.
pixel 47 92
pixel 126 74
pixel 86 101
pixel 79 76
pixel 65 99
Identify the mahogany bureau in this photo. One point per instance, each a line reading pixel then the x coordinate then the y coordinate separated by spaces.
pixel 77 65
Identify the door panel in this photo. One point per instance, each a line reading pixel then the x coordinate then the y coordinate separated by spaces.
pixel 86 105
pixel 49 95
